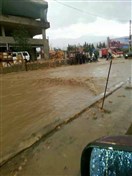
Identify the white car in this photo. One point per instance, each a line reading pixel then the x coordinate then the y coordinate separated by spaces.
pixel 23 54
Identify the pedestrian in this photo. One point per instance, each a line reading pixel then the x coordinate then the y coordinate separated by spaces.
pixel 96 55
pixel 109 56
pixel 83 58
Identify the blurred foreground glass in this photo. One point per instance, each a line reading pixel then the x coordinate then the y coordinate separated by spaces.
pixel 109 162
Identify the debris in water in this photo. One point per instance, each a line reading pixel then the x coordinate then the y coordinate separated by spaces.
pixel 20 168
pixel 58 127
pixel 128 87
pixel 65 168
pixel 95 117
pixel 94 113
pixel 106 111
pixel 16 173
pixel 121 96
pixel 66 121
pixel 103 115
pixel 48 147
pixel 24 162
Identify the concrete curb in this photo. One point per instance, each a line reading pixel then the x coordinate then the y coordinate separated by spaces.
pixel 51 128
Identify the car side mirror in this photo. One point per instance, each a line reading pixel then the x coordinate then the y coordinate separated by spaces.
pixel 108 156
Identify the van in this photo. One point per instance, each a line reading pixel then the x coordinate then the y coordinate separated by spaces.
pixel 23 54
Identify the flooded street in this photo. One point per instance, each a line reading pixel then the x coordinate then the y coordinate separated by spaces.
pixel 60 152
pixel 33 101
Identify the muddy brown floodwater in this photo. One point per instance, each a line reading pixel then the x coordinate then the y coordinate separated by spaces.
pixel 31 101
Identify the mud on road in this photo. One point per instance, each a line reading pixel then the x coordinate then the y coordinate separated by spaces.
pixel 31 101
pixel 60 152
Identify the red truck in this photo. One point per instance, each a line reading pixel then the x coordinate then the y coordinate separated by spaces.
pixel 114 52
pixel 103 52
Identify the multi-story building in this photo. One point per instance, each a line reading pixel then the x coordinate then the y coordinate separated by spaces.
pixel 32 16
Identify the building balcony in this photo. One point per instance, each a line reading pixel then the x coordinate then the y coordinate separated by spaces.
pixel 11 21
pixel 33 42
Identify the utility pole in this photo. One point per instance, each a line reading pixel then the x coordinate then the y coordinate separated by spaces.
pixel 106 84
pixel 129 83
pixel 130 37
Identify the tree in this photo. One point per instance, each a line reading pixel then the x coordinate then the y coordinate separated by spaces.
pixel 92 46
pixel 85 47
pixel 100 45
pixel 71 48
pixel 103 45
pixel 21 37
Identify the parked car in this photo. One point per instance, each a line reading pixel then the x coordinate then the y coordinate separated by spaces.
pixel 23 54
pixel 128 55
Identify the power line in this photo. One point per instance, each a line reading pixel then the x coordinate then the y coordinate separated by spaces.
pixel 82 11
pixel 77 9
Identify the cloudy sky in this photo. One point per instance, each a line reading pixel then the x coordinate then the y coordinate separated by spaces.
pixel 77 21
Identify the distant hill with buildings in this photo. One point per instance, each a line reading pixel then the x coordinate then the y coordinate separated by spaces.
pixel 63 43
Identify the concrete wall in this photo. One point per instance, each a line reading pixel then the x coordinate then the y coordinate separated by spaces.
pixel 34 42
pixel 25 8
pixel 34 27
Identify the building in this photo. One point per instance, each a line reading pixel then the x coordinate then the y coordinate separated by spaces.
pixel 121 42
pixel 30 14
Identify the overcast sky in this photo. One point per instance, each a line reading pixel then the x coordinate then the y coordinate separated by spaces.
pixel 77 21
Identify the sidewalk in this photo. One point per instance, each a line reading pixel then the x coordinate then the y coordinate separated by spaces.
pixel 60 153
